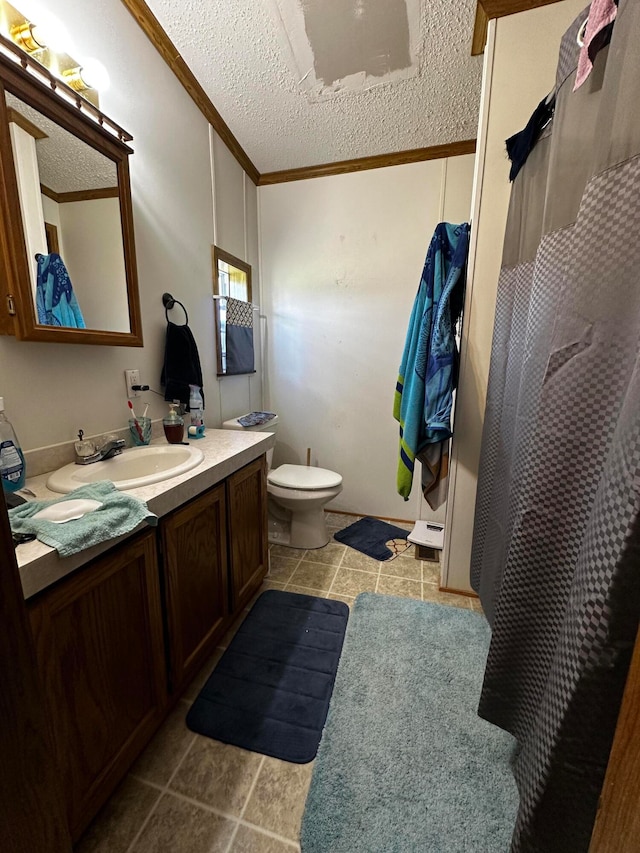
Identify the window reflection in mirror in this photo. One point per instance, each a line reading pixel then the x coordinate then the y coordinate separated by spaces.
pixel 70 207
pixel 231 279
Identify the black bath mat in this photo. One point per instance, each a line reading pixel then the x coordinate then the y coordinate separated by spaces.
pixel 270 690
pixel 369 536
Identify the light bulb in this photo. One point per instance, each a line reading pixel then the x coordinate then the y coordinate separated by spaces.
pixel 94 74
pixel 52 33
pixel 90 75
pixel 46 29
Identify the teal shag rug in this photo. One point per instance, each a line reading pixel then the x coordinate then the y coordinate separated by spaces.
pixel 405 764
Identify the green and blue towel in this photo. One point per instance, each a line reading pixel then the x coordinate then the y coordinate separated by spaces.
pixel 428 371
pixel 119 513
pixel 56 302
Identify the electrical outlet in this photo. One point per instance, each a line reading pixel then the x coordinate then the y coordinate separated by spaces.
pixel 132 377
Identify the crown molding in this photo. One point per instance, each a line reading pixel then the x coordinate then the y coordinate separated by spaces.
pixel 479 31
pixel 487 9
pixel 169 52
pixel 360 164
pixel 152 28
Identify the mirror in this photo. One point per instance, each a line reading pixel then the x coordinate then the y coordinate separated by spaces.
pixel 66 219
pixel 76 215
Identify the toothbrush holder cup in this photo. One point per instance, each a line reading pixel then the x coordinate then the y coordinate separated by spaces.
pixel 140 434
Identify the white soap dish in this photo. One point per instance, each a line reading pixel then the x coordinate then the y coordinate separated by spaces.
pixel 67 510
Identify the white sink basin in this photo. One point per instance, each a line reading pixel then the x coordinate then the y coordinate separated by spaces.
pixel 134 467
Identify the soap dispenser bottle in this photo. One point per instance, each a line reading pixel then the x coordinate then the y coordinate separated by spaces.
pixel 196 406
pixel 173 424
pixel 12 464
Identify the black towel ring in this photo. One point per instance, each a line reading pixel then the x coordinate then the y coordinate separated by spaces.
pixel 169 302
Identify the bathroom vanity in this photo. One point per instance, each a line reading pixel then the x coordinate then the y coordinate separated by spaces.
pixel 121 629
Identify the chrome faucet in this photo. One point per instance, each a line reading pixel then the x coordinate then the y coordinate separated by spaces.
pixel 106 451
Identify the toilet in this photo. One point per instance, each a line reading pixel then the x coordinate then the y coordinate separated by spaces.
pixel 297 495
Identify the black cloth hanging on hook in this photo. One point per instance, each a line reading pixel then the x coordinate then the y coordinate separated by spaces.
pixel 181 366
pixel 520 145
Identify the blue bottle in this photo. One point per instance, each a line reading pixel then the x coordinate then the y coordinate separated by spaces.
pixel 12 465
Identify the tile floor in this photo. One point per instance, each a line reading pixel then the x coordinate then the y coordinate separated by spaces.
pixel 189 794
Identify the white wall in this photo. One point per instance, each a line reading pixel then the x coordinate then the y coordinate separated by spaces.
pixel 51 213
pixel 51 390
pixel 520 65
pixel 236 231
pixel 94 258
pixel 341 262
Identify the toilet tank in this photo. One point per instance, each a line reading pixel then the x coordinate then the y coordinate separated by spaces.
pixel 269 426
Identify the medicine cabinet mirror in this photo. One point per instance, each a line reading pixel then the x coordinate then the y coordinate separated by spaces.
pixel 67 259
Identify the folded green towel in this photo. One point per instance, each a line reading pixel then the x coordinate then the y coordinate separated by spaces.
pixel 119 514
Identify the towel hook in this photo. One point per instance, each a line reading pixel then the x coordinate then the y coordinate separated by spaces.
pixel 169 302
pixel 582 33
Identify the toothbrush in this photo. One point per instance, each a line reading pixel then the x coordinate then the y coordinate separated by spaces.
pixel 146 409
pixel 135 420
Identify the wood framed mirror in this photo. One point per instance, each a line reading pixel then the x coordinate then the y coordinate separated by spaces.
pixel 67 252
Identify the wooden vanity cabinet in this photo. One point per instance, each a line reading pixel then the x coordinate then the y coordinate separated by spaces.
pixel 247 527
pixel 214 557
pixel 137 623
pixel 195 577
pixel 100 652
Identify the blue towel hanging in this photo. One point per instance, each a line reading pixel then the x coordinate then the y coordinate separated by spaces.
pixel 56 302
pixel 427 375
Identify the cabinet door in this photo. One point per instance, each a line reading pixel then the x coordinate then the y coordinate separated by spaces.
pixel 32 812
pixel 195 577
pixel 100 652
pixel 247 519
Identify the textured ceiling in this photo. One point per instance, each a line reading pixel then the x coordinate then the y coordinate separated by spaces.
pixel 272 69
pixel 65 163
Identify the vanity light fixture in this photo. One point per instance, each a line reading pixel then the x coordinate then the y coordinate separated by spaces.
pixel 90 75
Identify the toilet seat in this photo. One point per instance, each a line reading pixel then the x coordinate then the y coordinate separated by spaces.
pixel 303 477
pixel 300 498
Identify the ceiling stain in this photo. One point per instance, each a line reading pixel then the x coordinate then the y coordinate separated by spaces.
pixel 364 36
pixel 251 58
pixel 337 47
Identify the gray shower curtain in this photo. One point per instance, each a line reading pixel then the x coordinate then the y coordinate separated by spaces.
pixel 556 551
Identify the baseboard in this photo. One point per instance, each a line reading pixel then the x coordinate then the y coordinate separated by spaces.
pixel 458 591
pixel 364 514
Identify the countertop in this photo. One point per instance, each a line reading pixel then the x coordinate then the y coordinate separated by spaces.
pixel 225 451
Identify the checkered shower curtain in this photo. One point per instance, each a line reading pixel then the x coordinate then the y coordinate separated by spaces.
pixel 556 551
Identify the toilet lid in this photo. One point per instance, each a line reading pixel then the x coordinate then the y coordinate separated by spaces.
pixel 303 477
